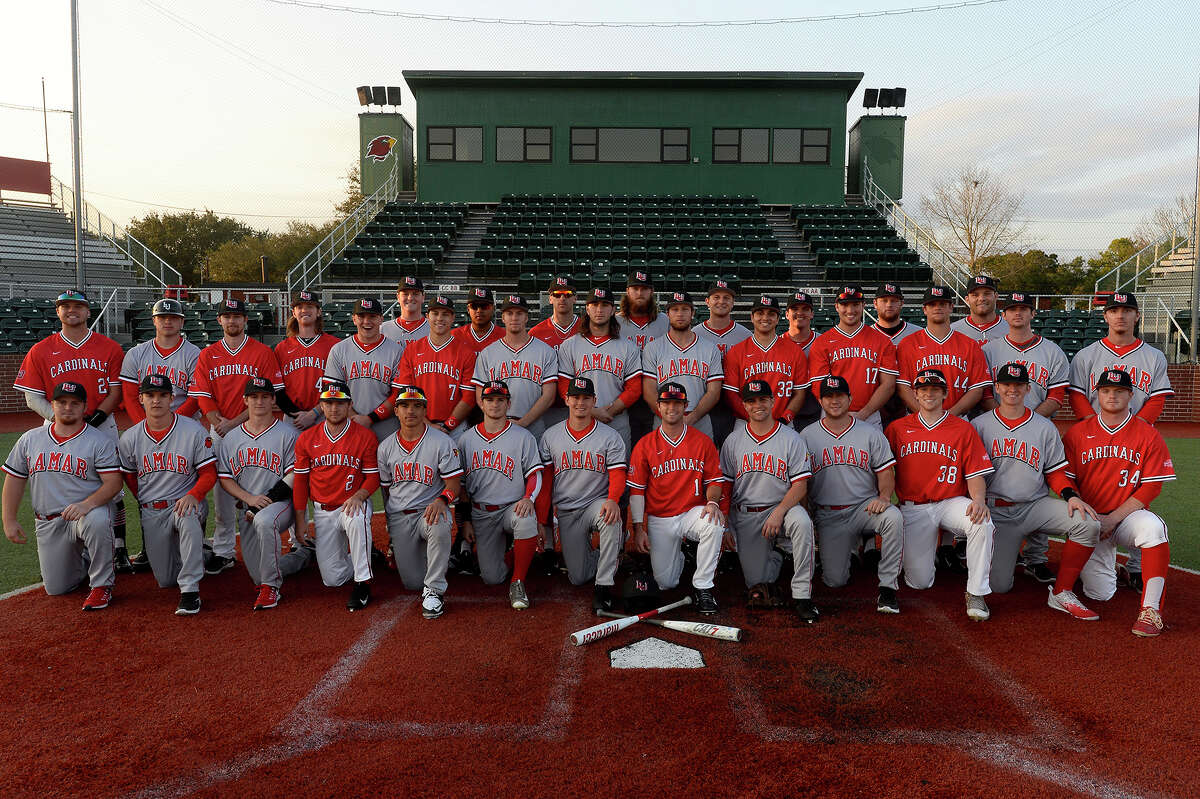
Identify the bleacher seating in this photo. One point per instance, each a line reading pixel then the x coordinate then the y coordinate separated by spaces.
pixel 404 238
pixel 23 322
pixel 37 247
pixel 855 244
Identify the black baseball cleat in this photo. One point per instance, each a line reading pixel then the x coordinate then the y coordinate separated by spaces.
pixel 1129 579
pixel 121 562
pixel 1040 572
pixel 215 564
pixel 947 560
pixel 359 597
pixel 189 604
pixel 602 598
pixel 379 559
pixel 140 562
pixel 548 564
pixel 807 611
pixel 887 602
pixel 706 603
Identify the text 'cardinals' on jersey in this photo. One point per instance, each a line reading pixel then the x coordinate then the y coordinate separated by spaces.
pixel 673 473
pixel 934 462
pixel 1111 464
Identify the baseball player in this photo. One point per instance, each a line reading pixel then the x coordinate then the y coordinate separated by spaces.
pixel 721 330
pixel 641 323
pixel 767 356
pixel 676 491
pixel 768 465
pixel 612 362
pixel 938 346
pixel 983 323
pixel 74 475
pixel 302 357
pixel 367 363
pixel 889 302
pixel 441 366
pixel 217 383
pixel 336 467
pixel 683 357
pixel 168 353
pixel 853 476
pixel 1027 455
pixel 556 329
pixel 255 465
pixel 1120 463
pixel 859 353
pixel 800 330
pixel 503 479
pixel 1044 361
pixel 77 354
pixel 941 471
pixel 170 466
pixel 411 324
pixel 528 367
pixel 481 330
pixel 586 466
pixel 419 469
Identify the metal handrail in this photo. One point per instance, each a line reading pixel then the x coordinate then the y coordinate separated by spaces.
pixel 1177 240
pixel 112 295
pixel 946 268
pixel 310 268
pixel 1173 321
pixel 96 223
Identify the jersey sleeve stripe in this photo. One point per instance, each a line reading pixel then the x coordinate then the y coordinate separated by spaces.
pixel 1169 392
pixel 533 470
pixel 454 473
pixel 980 384
pixel 1070 473
pixel 728 387
pixel 198 393
pixel 904 382
pixel 716 378
pixel 1059 384
pixel 1075 388
pixel 288 470
pixel 980 473
pixel 891 462
pixel 721 479
pixel 221 473
pixel 618 465
pixel 205 462
pixel 370 470
pixel 14 472
pixel 125 379
pixel 1162 479
pixel 1054 467
pixel 299 471
pixel 107 469
pixel 29 389
pixel 890 371
pixel 632 484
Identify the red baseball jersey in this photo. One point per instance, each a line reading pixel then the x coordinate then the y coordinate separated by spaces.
pixel 336 466
pixel 466 334
pixel 302 364
pixel 94 363
pixel 859 357
pixel 442 373
pixel 782 364
pixel 221 375
pixel 933 462
pixel 673 474
pixel 958 357
pixel 548 330
pixel 1110 464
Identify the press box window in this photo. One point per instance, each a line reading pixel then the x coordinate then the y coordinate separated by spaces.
pixel 454 144
pixel 522 144
pixel 631 145
pixel 740 145
pixel 800 145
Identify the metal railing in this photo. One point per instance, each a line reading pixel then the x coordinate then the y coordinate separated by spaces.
pixel 110 318
pixel 310 268
pixel 947 270
pixel 154 268
pixel 1145 259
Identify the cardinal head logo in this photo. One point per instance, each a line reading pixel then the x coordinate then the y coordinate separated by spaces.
pixel 380 148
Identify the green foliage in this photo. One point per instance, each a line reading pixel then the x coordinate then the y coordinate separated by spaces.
pixel 354 196
pixel 183 239
pixel 238 261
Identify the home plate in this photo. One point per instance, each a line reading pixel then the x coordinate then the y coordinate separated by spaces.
pixel 655 653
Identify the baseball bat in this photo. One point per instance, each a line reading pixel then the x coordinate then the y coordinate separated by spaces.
pixel 718 631
pixel 605 629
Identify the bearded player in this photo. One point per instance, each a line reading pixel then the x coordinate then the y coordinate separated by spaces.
pixel 527 366
pixel 859 353
pixel 941 470
pixel 411 324
pixel 767 356
pixel 1120 463
pixel 768 465
pixel 73 474
pixel 676 490
pixel 367 363
pixel 641 323
pixel 681 356
pixel 938 346
pixel 983 323
pixel 336 467
pixel 441 366
pixel 303 356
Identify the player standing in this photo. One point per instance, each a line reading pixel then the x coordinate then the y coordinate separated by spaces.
pixel 721 330
pixel 1120 463
pixel 441 366
pixel 503 479
pixel 853 476
pixel 1044 361
pixel 302 357
pixel 481 330
pixel 221 373
pixel 367 363
pixel 859 353
pixel 586 465
pixel 889 303
pixel 937 346
pixel 336 467
pixel 641 323
pixel 554 330
pixel 676 492
pixel 74 475
pixel 941 471
pixel 528 367
pixel 411 324
pixel 682 356
pixel 419 469
pixel 767 356
pixel 982 324
pixel 768 466
pixel 168 353
pixel 800 330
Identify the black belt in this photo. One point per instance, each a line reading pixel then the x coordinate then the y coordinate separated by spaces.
pixel 49 518
pixel 159 504
pixel 488 508
pixel 754 508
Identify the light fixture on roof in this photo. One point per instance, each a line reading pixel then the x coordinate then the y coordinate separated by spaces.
pixel 884 98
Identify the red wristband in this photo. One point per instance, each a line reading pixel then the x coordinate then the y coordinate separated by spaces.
pixel 450 423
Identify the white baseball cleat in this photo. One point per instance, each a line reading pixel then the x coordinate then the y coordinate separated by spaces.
pixel 977 609
pixel 1067 602
pixel 432 605
pixel 517 596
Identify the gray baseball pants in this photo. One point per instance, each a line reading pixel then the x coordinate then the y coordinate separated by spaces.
pixel 261 536
pixel 224 537
pixel 584 564
pixel 174 544
pixel 761 557
pixel 1015 522
pixel 840 531
pixel 490 526
pixel 70 552
pixel 421 550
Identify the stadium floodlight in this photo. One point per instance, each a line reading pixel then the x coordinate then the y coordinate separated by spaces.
pixel 378 95
pixel 899 94
pixel 393 95
pixel 870 98
pixel 364 95
pixel 885 99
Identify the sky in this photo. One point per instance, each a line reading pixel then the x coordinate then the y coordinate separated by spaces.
pixel 247 107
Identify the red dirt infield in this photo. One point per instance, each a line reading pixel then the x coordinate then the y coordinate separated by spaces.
pixel 308 700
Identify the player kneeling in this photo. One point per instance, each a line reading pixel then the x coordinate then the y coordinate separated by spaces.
pixel 170 467
pixel 585 461
pixel 336 466
pixel 853 476
pixel 255 468
pixel 940 479
pixel 75 475
pixel 419 470
pixel 503 479
pixel 676 490
pixel 768 464
pixel 1120 462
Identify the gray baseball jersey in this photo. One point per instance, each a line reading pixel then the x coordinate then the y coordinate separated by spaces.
pixel 401 334
pixel 763 469
pixel 497 465
pixel 258 462
pixel 1046 362
pixel 1023 453
pixel 724 339
pixel 693 366
pixel 1144 363
pixel 581 462
pixel 177 365
pixel 61 472
pixel 166 468
pixel 641 335
pixel 412 478
pixel 844 466
pixel 609 364
pixel 524 370
pixel 997 329
pixel 899 333
pixel 368 371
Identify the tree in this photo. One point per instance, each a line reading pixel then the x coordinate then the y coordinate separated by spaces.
pixel 1170 218
pixel 974 215
pixel 354 196
pixel 238 261
pixel 183 239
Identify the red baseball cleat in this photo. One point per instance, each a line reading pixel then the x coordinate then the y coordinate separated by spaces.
pixel 1149 623
pixel 1067 602
pixel 268 597
pixel 98 598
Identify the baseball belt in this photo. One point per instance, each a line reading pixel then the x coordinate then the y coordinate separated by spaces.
pixel 488 508
pixel 160 504
pixel 1000 503
pixel 411 511
pixel 834 507
pixel 49 518
pixel 754 508
pixel 330 507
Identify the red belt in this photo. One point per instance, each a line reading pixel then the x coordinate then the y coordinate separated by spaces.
pixel 755 508
pixel 834 507
pixel 1001 503
pixel 160 504
pixel 489 508
pixel 49 518
pixel 411 511
pixel 323 506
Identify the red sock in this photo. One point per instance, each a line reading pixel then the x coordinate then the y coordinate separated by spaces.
pixel 523 549
pixel 1074 556
pixel 1155 561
